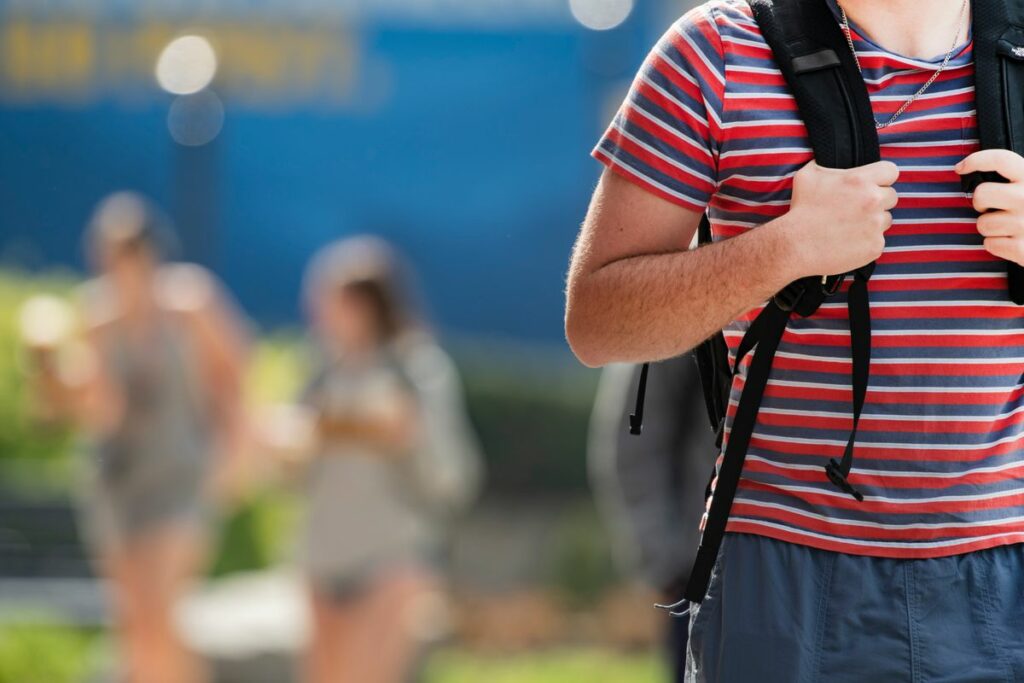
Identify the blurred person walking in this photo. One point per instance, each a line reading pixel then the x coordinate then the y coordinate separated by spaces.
pixel 651 488
pixel 393 454
pixel 156 386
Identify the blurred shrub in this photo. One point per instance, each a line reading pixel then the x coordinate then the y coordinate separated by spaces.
pixel 531 408
pixel 36 653
pixel 258 533
pixel 21 440
pixel 581 568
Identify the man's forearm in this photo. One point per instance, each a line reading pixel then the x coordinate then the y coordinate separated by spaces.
pixel 651 307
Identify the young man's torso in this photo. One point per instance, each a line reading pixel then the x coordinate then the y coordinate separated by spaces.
pixel 710 123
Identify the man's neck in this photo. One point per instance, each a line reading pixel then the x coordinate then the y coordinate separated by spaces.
pixel 916 28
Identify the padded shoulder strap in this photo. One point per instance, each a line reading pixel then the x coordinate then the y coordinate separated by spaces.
pixel 998 27
pixel 815 59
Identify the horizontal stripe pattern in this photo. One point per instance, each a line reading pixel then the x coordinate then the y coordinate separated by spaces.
pixel 709 124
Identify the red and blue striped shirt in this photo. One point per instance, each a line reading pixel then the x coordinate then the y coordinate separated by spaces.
pixel 710 125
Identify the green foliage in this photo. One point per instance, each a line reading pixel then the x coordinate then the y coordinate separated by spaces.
pixel 556 666
pixel 257 534
pixel 281 366
pixel 39 653
pixel 46 653
pixel 21 440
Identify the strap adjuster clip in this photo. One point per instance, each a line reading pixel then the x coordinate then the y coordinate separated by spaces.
pixel 790 296
pixel 636 425
pixel 836 476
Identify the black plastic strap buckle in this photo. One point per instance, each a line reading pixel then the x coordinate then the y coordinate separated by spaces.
pixel 636 425
pixel 836 476
pixel 636 420
pixel 788 298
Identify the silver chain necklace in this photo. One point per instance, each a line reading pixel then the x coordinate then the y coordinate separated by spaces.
pixel 928 83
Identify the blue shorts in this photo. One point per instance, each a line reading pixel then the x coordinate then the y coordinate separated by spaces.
pixel 779 612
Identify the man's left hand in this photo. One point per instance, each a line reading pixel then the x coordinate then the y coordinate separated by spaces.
pixel 1001 205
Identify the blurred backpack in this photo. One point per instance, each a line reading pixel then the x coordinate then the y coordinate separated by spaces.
pixel 812 52
pixel 447 466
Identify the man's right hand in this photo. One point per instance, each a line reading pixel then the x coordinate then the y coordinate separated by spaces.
pixel 635 293
pixel 838 217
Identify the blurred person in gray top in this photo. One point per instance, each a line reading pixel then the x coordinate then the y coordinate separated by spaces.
pixel 651 488
pixel 155 384
pixel 391 456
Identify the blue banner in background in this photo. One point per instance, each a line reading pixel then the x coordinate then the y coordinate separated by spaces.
pixel 459 129
pixel 476 13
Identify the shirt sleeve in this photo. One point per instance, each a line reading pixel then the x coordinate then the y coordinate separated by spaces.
pixel 665 136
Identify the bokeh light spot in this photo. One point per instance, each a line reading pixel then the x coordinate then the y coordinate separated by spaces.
pixel 601 15
pixel 187 65
pixel 195 120
pixel 45 321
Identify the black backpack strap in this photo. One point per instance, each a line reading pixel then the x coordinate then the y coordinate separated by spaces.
pixel 814 57
pixel 636 419
pixel 998 33
pixel 999 93
pixel 712 358
pixel 860 353
pixel 773 321
pixel 815 60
